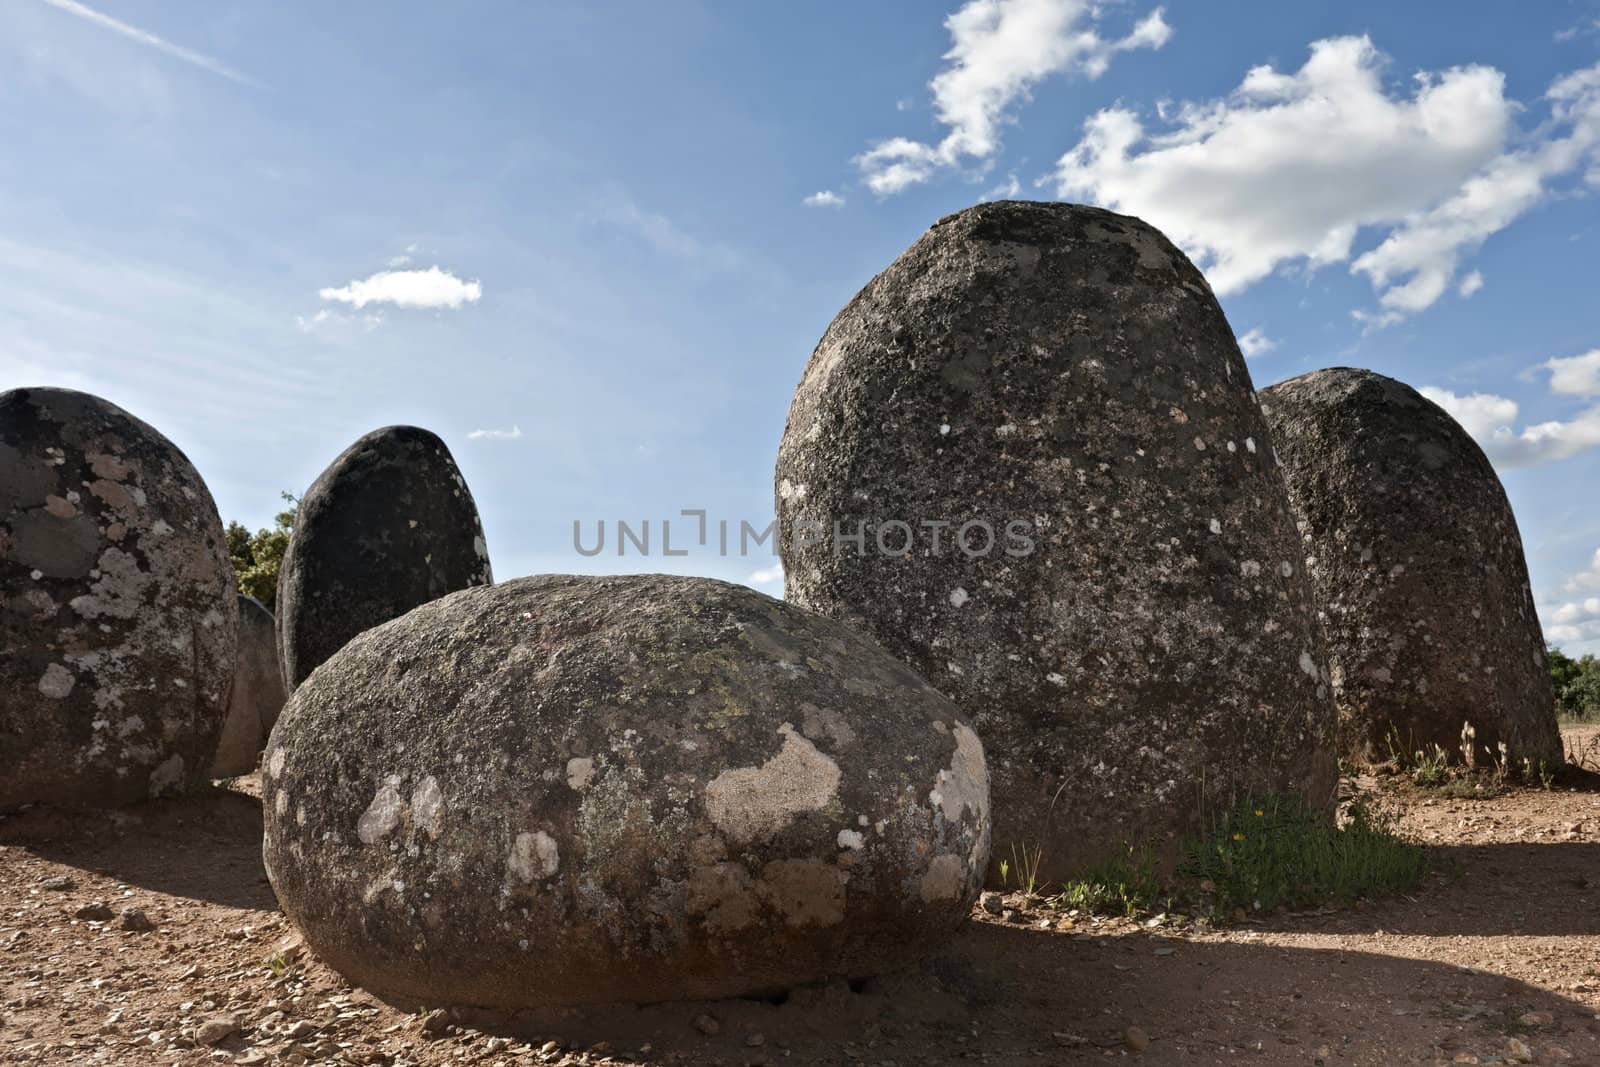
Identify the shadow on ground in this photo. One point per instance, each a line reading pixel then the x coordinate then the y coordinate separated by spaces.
pixel 203 847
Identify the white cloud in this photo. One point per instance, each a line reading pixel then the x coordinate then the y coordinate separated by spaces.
pixel 1290 167
pixel 1491 420
pixel 1000 49
pixel 1578 620
pixel 431 288
pixel 1571 32
pixel 150 40
pixel 1575 375
pixel 1256 343
pixel 772 575
pixel 331 323
pixel 513 434
pixel 1586 579
pixel 825 198
pixel 1470 284
pixel 1481 414
pixel 1009 189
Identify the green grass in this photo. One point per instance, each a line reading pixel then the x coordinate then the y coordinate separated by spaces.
pixel 1265 854
pixel 1277 853
pixel 1127 885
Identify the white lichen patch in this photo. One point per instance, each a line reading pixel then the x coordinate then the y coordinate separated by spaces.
pixel 806 892
pixel 958 597
pixel 944 879
pixel 724 895
pixel 382 815
pixel 427 807
pixel 580 772
pixel 533 856
pixel 167 776
pixel 751 803
pixel 275 762
pixel 851 839
pixel 818 723
pixel 119 592
pixel 965 783
pixel 56 682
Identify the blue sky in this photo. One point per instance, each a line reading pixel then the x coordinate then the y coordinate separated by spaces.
pixel 592 244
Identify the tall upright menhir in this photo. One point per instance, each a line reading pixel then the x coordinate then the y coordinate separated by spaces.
pixel 1136 645
pixel 389 526
pixel 1419 573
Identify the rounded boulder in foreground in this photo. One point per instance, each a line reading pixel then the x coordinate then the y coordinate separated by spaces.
pixel 1027 458
pixel 257 694
pixel 117 633
pixel 570 790
pixel 1419 572
pixel 389 525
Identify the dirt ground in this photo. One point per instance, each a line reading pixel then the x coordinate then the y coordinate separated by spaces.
pixel 1495 960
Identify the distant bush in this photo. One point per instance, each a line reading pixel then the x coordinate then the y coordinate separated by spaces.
pixel 1577 684
pixel 257 556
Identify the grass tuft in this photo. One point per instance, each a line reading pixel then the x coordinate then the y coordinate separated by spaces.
pixel 1278 853
pixel 1126 885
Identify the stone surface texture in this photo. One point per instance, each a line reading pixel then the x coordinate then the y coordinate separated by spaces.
pixel 117 628
pixel 257 694
pixel 1419 572
pixel 568 790
pixel 389 525
pixel 1138 648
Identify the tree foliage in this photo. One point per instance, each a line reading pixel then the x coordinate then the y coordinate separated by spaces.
pixel 1577 684
pixel 257 556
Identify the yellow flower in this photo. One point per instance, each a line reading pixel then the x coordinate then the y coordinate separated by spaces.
pixel 1260 812
pixel 1238 837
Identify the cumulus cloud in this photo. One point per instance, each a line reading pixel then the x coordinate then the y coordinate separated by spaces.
pixel 1290 167
pixel 1578 619
pixel 431 288
pixel 1000 49
pixel 1586 579
pixel 1256 343
pixel 1470 284
pixel 1575 375
pixel 824 198
pixel 1491 421
pixel 513 434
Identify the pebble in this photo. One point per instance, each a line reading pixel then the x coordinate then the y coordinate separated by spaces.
pixel 136 920
pixel 992 902
pixel 1536 1018
pixel 756 1040
pixel 215 1031
pixel 436 1021
pixel 60 884
pixel 1136 1039
pixel 1517 1051
pixel 707 1025
pixel 94 911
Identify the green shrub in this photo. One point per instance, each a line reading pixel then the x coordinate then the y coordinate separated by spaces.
pixel 257 556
